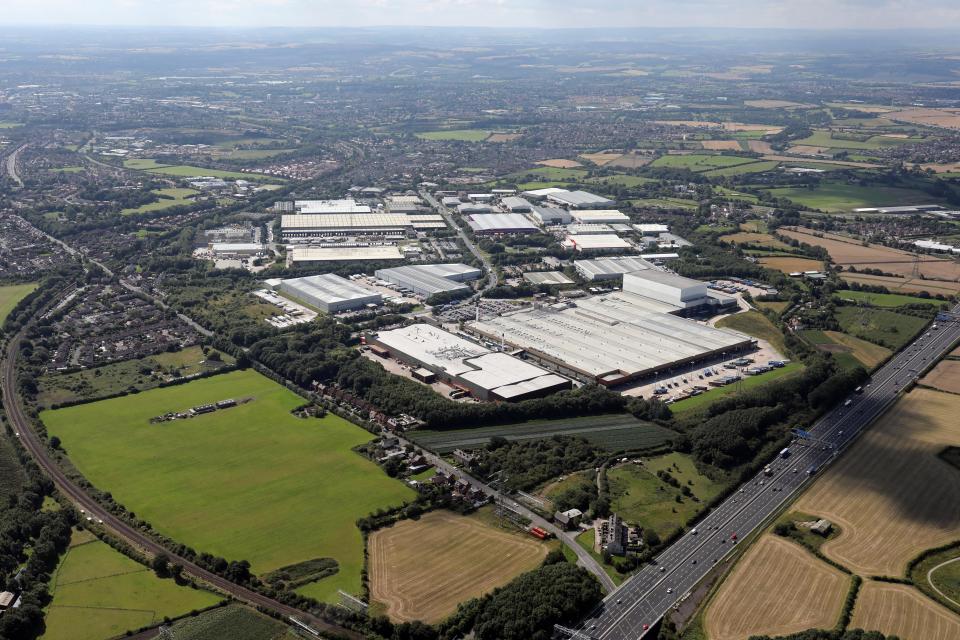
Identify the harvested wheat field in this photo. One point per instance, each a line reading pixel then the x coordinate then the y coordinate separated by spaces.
pixel 600 159
pixel 852 252
pixel 947 118
pixel 422 569
pixel 726 126
pixel 900 610
pixel 631 161
pixel 905 285
pixel 777 588
pixel 791 265
pixel 504 137
pixel 759 146
pixel 807 150
pixel 945 376
pixel 721 145
pixel 762 239
pixel 560 163
pixel 891 495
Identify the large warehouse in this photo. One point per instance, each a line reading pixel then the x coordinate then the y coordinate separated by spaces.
pixel 302 255
pixel 304 227
pixel 428 279
pixel 600 216
pixel 611 339
pixel 683 293
pixel 610 268
pixel 486 374
pixel 599 243
pixel 327 207
pixel 330 293
pixel 578 199
pixel 495 223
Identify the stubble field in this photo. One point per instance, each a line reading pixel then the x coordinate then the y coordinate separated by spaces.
pixel 945 376
pixel 900 610
pixel 778 588
pixel 421 569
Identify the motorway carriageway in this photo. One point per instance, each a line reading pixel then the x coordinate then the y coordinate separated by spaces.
pixel 643 599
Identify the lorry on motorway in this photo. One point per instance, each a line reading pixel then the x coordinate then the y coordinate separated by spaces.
pixel 767 471
pixel 785 452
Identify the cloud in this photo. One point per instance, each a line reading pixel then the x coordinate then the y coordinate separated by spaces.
pixel 817 14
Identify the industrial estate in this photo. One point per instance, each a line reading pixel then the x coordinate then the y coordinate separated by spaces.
pixel 468 334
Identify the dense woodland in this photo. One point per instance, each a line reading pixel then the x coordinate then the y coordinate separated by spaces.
pixel 525 465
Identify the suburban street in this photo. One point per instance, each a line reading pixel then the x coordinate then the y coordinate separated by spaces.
pixel 628 612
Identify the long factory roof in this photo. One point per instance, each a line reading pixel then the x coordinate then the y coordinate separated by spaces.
pixel 329 288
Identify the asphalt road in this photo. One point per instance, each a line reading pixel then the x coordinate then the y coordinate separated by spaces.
pixel 38 450
pixel 11 164
pixel 626 613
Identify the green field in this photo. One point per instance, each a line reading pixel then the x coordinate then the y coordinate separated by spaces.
pixel 252 482
pixel 549 173
pixel 233 622
pixel 880 326
pixel 848 350
pixel 700 162
pixel 463 135
pixel 620 180
pixel 754 323
pixel 255 154
pixel 143 164
pixel 824 138
pixel 737 195
pixel 617 432
pixel 5 124
pixel 586 540
pixel 10 297
pixel 884 299
pixel 639 496
pixel 100 593
pixel 834 197
pixel 168 198
pixel 67 170
pixel 748 382
pixel 129 375
pixel 664 203
pixel 946 578
pixel 741 169
pixel 187 171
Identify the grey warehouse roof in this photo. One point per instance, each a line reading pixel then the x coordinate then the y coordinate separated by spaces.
pixel 428 279
pixel 578 198
pixel 611 266
pixel 327 288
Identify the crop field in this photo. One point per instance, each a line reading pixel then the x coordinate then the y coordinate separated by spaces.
pixel 791 264
pixel 884 299
pixel 761 239
pixel 899 610
pixel 560 163
pixel 890 493
pixel 169 198
pixel 250 482
pixel 699 162
pixel 145 373
pixel 721 145
pixel 880 326
pixel 777 588
pixel 421 569
pixel 187 171
pixel 824 138
pixel 235 622
pixel 600 159
pixel 906 285
pixel 945 376
pixel 640 496
pixel 846 251
pixel 741 169
pixel 463 135
pixel 615 432
pixel 10 297
pixel 947 118
pixel 836 197
pixel 100 593
pixel 840 344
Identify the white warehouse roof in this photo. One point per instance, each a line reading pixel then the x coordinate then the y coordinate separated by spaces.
pixel 330 292
pixel 601 268
pixel 330 206
pixel 579 199
pixel 428 279
pixel 599 242
pixel 301 253
pixel 601 216
pixel 501 223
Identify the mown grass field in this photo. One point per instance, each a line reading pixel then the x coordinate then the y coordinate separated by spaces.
pixel 848 350
pixel 99 593
pixel 10 297
pixel 145 373
pixel 168 198
pixel 884 299
pixel 835 196
pixel 754 323
pixel 639 496
pixel 615 432
pixel 143 164
pixel 252 482
pixel 741 169
pixel 664 203
pixel 699 162
pixel 463 135
pixel 233 622
pixel 880 326
pixel 749 382
pixel 825 138
pixel 187 171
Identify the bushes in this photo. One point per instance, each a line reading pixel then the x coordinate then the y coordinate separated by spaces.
pixel 849 603
pixel 528 464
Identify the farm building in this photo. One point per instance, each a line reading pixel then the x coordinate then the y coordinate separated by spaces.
pixel 600 243
pixel 303 255
pixel 330 293
pixel 600 216
pixel 610 339
pixel 494 223
pixel 547 277
pixel 551 215
pixel 578 199
pixel 516 204
pixel 610 268
pixel 486 374
pixel 428 279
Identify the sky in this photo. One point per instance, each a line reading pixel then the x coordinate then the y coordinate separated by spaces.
pixel 812 14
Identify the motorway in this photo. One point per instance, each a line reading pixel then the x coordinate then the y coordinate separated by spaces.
pixel 11 164
pixel 641 601
pixel 32 443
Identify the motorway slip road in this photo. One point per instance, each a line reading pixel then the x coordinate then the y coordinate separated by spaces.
pixel 627 613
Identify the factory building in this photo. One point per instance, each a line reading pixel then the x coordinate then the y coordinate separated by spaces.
pixel 516 204
pixel 669 288
pixel 496 223
pixel 451 201
pixel 304 227
pixel 600 243
pixel 301 255
pixel 578 229
pixel 611 339
pixel 330 293
pixel 650 229
pixel 578 199
pixel 236 249
pixel 547 277
pixel 600 216
pixel 325 207
pixel 470 208
pixel 551 215
pixel 461 363
pixel 428 279
pixel 610 268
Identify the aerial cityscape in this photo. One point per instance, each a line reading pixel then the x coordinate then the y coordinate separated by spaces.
pixel 479 320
